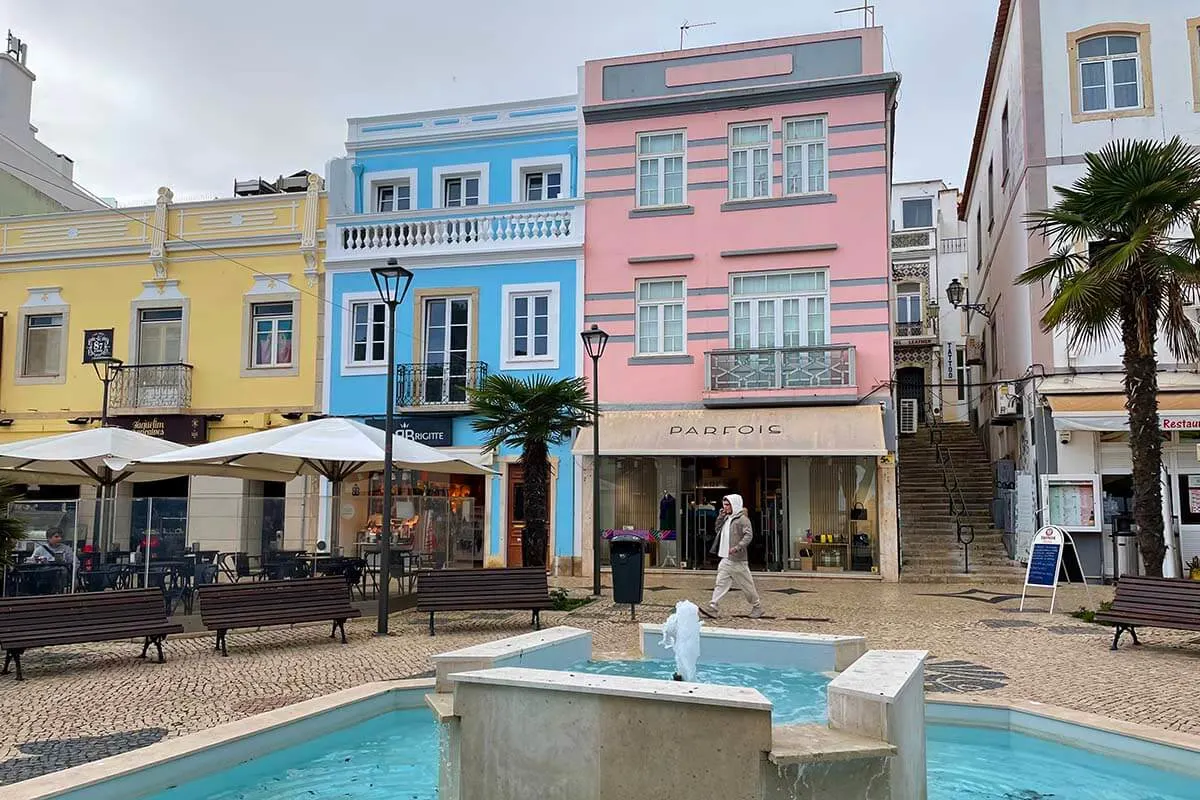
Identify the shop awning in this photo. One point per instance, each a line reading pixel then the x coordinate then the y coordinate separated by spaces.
pixel 823 431
pixel 1178 411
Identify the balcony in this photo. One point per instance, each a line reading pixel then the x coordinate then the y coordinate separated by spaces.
pixel 919 239
pixel 779 376
pixel 914 332
pixel 155 388
pixel 448 232
pixel 957 244
pixel 438 387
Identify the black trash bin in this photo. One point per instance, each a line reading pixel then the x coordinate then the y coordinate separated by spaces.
pixel 628 573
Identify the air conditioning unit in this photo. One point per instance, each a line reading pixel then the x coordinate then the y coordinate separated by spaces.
pixel 1007 401
pixel 908 416
pixel 973 346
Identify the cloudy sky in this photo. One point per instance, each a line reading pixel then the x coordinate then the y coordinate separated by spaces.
pixel 191 94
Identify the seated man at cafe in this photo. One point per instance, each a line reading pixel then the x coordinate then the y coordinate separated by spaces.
pixel 53 550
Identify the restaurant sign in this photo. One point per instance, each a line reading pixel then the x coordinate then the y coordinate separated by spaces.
pixel 1180 423
pixel 427 430
pixel 178 428
pixel 97 345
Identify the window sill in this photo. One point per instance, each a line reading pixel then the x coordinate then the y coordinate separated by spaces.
pixel 661 211
pixel 1104 116
pixel 363 369
pixel 38 380
pixel 516 365
pixel 650 360
pixel 779 202
pixel 290 370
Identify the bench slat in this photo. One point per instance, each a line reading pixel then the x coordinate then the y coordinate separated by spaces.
pixel 1154 603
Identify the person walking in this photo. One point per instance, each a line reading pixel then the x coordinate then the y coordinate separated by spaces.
pixel 734 535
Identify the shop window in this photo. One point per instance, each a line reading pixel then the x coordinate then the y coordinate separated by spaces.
pixel 780 309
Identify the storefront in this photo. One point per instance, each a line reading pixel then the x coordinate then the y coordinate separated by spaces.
pixel 1090 492
pixel 810 478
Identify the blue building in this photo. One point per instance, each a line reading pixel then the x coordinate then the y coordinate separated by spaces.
pixel 482 205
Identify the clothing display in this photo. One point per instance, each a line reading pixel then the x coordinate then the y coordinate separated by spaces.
pixel 666 512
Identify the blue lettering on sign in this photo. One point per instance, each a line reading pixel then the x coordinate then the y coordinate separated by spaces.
pixel 1043 565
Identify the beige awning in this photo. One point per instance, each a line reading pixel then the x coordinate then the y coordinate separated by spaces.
pixel 816 431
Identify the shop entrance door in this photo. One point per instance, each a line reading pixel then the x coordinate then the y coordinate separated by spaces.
pixel 911 386
pixel 516 517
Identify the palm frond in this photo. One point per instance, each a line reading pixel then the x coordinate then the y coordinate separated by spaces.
pixel 12 529
pixel 518 411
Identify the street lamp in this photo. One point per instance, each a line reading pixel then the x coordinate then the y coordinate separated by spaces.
pixel 594 341
pixel 392 281
pixel 960 297
pixel 106 368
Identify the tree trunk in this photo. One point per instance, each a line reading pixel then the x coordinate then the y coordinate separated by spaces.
pixel 536 462
pixel 1139 324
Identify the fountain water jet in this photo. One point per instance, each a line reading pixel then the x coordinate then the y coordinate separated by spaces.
pixel 681 633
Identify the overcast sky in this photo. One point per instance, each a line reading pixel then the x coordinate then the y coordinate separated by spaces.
pixel 193 93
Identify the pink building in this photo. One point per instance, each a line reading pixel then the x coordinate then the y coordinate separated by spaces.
pixel 737 252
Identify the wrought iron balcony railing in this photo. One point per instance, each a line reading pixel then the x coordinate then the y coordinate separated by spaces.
pixel 912 329
pixel 438 384
pixel 151 387
pixel 779 368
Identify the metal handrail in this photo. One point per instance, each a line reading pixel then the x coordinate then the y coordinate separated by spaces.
pixel 965 534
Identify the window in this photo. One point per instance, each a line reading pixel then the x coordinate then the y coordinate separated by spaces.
pixel 1193 34
pixel 908 309
pixel 805 167
pixel 273 326
pixel 749 161
pixel 978 239
pixel 368 333
pixel 460 191
pixel 160 335
pixel 780 309
pixel 991 193
pixel 660 317
pixel 962 371
pixel 529 326
pixel 917 212
pixel 1004 145
pixel 661 175
pixel 393 196
pixel 1110 71
pixel 543 185
pixel 43 346
pixel 447 349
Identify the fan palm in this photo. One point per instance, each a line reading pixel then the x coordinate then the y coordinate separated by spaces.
pixel 531 415
pixel 1138 209
pixel 12 529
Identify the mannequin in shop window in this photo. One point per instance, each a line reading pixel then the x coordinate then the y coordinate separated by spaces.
pixel 666 512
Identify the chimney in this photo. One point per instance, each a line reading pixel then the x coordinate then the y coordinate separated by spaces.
pixel 16 92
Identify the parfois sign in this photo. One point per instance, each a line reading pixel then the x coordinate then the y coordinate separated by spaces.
pixel 725 430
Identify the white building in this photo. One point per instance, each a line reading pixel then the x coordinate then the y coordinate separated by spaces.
pixel 929 249
pixel 1063 79
pixel 34 179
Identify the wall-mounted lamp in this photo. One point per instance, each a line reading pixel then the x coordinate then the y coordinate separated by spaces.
pixel 960 297
pixel 291 416
pixel 214 417
pixel 80 420
pixel 315 417
pixel 5 422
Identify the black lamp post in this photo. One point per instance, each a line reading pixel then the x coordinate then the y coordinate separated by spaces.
pixel 392 282
pixel 106 368
pixel 594 341
pixel 960 297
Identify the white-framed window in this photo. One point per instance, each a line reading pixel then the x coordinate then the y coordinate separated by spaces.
pixel 274 326
pixel 541 178
pixel 750 161
pixel 908 309
pixel 367 334
pixel 460 185
pixel 542 185
pixel 661 311
pixel 160 335
pixel 917 212
pixel 779 309
pixel 805 156
pixel 662 169
pixel 447 349
pixel 44 334
pixel 460 191
pixel 529 327
pixel 1110 74
pixel 393 197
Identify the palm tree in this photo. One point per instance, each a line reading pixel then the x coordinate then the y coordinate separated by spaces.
pixel 12 529
pixel 531 414
pixel 1138 210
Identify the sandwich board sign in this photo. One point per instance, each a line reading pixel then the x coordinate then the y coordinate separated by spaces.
pixel 1045 561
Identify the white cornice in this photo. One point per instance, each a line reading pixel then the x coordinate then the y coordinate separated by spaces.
pixel 460 135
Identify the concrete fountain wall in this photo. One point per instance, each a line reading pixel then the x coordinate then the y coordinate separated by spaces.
pixel 512 732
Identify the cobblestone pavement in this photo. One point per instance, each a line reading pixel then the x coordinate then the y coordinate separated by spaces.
pixel 89 701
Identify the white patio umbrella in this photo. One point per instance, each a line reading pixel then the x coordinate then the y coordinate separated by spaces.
pixel 332 448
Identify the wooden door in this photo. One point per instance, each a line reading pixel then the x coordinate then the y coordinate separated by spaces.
pixel 515 524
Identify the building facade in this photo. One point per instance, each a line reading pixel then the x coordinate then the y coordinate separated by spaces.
pixel 482 205
pixel 928 251
pixel 737 253
pixel 1064 79
pixel 214 310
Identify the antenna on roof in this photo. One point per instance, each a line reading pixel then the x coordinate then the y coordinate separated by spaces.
pixel 868 12
pixel 686 26
pixel 16 49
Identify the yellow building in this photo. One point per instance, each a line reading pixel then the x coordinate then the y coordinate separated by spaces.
pixel 214 307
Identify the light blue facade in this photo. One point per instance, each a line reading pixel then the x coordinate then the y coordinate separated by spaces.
pixel 507 271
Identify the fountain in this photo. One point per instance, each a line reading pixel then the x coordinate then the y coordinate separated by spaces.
pixel 681 634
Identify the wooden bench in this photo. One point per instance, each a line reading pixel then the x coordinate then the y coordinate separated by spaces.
pixel 1153 603
pixel 49 620
pixel 483 590
pixel 224 606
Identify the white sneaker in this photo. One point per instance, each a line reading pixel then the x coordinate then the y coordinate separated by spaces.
pixel 755 613
pixel 712 609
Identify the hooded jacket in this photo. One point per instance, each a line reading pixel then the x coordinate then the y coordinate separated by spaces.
pixel 740 532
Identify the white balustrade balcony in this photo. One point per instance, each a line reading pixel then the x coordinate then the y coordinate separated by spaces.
pixel 447 232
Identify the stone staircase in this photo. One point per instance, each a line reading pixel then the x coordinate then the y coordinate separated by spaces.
pixel 930 552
